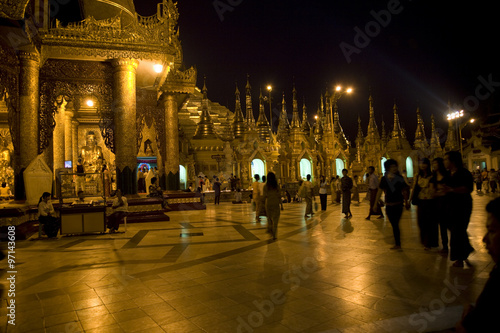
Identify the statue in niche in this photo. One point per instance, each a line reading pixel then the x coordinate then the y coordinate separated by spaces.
pixel 91 154
pixel 148 148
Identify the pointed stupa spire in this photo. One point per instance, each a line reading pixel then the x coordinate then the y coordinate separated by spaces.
pixel 295 110
pixel 420 139
pixel 372 132
pixel 396 129
pixel 205 128
pixel 262 123
pixel 284 125
pixel 359 136
pixel 383 136
pixel 239 124
pixel 306 127
pixel 248 104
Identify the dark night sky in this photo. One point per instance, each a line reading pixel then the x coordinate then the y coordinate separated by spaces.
pixel 428 53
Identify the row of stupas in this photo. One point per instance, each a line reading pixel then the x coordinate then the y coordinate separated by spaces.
pixel 236 138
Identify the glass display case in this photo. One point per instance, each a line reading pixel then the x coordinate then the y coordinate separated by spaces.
pixel 69 184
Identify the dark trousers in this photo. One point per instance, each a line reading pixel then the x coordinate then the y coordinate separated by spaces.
pixel 427 223
pixel 322 198
pixel 115 219
pixel 441 220
pixel 460 247
pixel 217 198
pixel 373 197
pixel 394 215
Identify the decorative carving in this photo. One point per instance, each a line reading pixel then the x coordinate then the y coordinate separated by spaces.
pixel 149 113
pixel 180 81
pixel 13 9
pixel 9 91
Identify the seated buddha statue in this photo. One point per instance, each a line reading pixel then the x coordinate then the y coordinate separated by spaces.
pixel 91 155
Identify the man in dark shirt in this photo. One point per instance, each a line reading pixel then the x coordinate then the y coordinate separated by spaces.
pixel 216 188
pixel 483 317
pixel 396 197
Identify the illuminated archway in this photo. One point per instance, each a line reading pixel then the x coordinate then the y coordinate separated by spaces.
pixel 182 177
pixel 305 168
pixel 339 166
pixel 258 167
pixel 409 167
pixel 382 167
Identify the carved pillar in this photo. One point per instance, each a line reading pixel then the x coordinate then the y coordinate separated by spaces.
pixel 172 181
pixel 29 101
pixel 68 135
pixel 74 142
pixel 59 137
pixel 125 131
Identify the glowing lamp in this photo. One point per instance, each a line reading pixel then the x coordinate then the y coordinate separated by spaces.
pixel 158 68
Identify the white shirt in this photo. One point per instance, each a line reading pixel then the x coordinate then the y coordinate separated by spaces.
pixel 373 181
pixel 45 208
pixel 322 188
pixel 123 208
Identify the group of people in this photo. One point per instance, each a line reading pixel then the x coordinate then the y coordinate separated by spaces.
pixel 266 198
pixel 50 222
pixel 144 177
pixel 487 180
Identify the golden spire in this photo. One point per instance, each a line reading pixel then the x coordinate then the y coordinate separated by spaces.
pixel 248 103
pixel 239 125
pixel 295 109
pixel 262 123
pixel 205 128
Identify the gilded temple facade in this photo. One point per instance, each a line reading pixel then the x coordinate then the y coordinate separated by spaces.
pixel 112 89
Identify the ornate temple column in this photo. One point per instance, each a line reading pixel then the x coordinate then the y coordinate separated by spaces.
pixel 68 135
pixel 125 132
pixel 172 181
pixel 74 142
pixel 29 101
pixel 59 136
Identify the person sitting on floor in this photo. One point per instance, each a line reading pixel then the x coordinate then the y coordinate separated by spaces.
pixel 237 197
pixel 47 216
pixel 120 210
pixel 154 189
pixel 5 192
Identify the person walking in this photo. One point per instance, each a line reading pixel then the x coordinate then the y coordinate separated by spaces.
pixel 323 193
pixel 333 189
pixel 478 179
pixel 421 196
pixel 272 199
pixel 373 185
pixel 486 182
pixel 458 190
pixel 216 188
pixel 308 196
pixel 346 186
pixel 262 200
pixel 396 197
pixel 437 183
pixel 355 190
pixel 256 196
pixel 493 175
pixel 338 189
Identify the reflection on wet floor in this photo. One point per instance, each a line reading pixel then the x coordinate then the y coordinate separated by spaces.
pixel 219 271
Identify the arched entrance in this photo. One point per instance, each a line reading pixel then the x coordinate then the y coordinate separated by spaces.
pixel 409 167
pixel 382 167
pixel 182 177
pixel 339 166
pixel 258 167
pixel 305 168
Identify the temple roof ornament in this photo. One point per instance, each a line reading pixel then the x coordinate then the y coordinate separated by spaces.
pixel 295 110
pixel 398 139
pixel 284 125
pixel 180 81
pixel 248 104
pixel 420 141
pixel 205 128
pixel 13 9
pixel 154 37
pixel 262 123
pixel 306 127
pixel 239 125
pixel 372 132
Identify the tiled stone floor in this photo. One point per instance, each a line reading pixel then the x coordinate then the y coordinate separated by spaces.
pixel 218 271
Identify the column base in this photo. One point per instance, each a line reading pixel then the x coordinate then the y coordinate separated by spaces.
pixel 126 180
pixel 172 182
pixel 19 191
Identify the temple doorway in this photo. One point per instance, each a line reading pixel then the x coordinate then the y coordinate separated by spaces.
pixel 258 168
pixel 409 167
pixel 182 177
pixel 339 166
pixel 305 168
